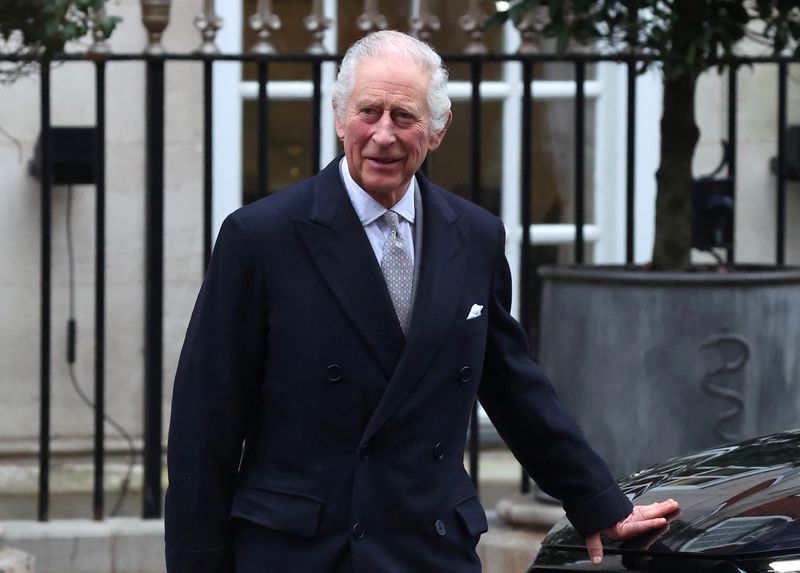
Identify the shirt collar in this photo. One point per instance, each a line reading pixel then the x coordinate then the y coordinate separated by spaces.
pixel 367 208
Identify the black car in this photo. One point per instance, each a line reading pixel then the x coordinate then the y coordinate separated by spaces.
pixel 740 510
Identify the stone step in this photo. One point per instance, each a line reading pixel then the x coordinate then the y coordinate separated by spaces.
pixel 122 545
pixel 16 561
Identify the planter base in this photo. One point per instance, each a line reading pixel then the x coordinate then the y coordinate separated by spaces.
pixel 655 365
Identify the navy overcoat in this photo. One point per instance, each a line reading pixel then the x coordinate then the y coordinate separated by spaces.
pixel 308 434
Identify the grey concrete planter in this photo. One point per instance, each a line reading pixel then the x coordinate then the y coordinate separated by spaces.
pixel 660 364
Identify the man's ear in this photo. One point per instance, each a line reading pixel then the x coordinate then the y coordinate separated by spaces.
pixel 339 124
pixel 436 140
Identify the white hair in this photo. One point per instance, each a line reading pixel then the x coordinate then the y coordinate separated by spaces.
pixel 390 42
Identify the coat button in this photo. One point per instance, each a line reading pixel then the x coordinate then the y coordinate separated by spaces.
pixel 358 530
pixel 363 452
pixel 438 451
pixel 441 530
pixel 464 374
pixel 334 373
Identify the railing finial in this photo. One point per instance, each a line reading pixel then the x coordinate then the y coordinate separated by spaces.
pixel 99 45
pixel 155 17
pixel 424 22
pixel 530 28
pixel 371 20
pixel 264 22
pixel 316 23
pixel 209 24
pixel 474 24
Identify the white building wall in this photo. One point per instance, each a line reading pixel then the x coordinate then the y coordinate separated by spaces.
pixel 73 105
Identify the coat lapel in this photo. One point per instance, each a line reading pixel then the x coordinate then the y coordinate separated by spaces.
pixel 341 251
pixel 437 299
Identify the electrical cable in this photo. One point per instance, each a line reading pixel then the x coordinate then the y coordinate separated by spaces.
pixel 71 345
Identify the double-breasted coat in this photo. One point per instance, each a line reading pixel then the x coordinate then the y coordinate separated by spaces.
pixel 308 434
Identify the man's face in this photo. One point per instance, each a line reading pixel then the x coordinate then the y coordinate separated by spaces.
pixel 386 128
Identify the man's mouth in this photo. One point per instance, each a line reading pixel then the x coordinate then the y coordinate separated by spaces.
pixel 384 160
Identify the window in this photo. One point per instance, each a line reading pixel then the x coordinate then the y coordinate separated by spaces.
pixel 290 138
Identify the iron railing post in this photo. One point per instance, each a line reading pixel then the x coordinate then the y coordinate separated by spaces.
pixel 580 140
pixel 630 166
pixel 732 150
pixel 100 289
pixel 263 130
pixel 45 328
pixel 316 114
pixel 208 158
pixel 154 287
pixel 780 238
pixel 526 202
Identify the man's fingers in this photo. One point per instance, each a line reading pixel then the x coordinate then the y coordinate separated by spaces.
pixel 644 518
pixel 634 528
pixel 595 547
pixel 654 510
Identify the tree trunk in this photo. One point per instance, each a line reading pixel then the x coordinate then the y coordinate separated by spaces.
pixel 679 135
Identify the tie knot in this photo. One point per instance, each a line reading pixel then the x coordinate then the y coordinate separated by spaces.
pixel 392 219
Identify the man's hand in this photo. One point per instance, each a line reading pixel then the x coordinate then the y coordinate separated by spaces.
pixel 642 518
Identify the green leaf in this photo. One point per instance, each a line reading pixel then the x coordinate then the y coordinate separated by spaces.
pixel 562 42
pixel 70 31
pixel 108 25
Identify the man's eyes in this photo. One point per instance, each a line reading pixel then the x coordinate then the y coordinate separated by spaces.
pixel 404 117
pixel 370 112
pixel 400 117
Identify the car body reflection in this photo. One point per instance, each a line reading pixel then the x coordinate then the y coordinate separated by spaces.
pixel 740 510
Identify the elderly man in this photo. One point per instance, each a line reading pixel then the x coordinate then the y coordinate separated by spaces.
pixel 338 342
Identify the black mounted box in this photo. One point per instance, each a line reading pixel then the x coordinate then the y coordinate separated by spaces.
pixel 73 150
pixel 792 151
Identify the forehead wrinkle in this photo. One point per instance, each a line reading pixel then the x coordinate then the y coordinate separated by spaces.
pixel 388 103
pixel 389 100
pixel 382 79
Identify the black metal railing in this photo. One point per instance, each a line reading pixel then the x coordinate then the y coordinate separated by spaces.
pixel 100 292
pixel 44 340
pixel 154 220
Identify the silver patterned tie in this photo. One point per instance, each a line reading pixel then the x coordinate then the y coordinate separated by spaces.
pixel 398 269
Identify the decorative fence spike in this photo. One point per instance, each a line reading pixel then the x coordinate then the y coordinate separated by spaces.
pixel 99 45
pixel 474 24
pixel 209 24
pixel 264 22
pixel 424 22
pixel 371 20
pixel 317 24
pixel 530 28
pixel 155 17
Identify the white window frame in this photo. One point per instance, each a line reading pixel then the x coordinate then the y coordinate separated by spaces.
pixel 607 230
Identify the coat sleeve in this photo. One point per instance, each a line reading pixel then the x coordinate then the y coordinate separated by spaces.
pixel 218 371
pixel 523 406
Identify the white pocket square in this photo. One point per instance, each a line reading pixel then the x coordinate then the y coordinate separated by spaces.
pixel 475 311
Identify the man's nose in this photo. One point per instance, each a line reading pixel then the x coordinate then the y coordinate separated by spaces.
pixel 384 130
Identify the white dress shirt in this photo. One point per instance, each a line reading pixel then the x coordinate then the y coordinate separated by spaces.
pixel 369 212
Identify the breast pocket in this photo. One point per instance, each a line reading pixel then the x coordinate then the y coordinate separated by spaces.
pixel 471 326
